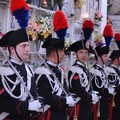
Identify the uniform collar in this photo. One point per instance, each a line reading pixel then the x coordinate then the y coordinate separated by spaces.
pixel 52 64
pixel 80 63
pixel 98 65
pixel 14 60
pixel 114 66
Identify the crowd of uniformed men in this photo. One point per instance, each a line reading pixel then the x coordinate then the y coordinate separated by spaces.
pixel 43 94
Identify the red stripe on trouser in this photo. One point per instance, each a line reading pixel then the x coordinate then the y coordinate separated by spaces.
pixel 41 117
pixel 110 109
pixel 77 110
pixel 48 115
pixel 71 113
pixel 95 111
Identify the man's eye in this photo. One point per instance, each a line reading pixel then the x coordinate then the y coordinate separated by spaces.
pixel 25 46
pixel 81 52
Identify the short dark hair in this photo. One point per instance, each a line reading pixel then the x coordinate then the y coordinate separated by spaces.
pixel 96 57
pixel 113 58
pixel 48 51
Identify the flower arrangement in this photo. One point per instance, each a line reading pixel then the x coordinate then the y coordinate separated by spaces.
pixel 79 3
pixel 98 16
pixel 98 39
pixel 33 30
pixel 67 43
pixel 41 28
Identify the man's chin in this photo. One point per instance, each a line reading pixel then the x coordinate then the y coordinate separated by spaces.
pixel 26 59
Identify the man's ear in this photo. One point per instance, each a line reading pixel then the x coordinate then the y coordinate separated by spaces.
pixel 53 53
pixel 11 48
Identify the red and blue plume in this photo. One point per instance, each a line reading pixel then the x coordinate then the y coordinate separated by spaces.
pixel 60 24
pixel 117 39
pixel 87 28
pixel 20 10
pixel 108 34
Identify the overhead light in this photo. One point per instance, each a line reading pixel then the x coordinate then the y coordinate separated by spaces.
pixel 85 15
pixel 44 2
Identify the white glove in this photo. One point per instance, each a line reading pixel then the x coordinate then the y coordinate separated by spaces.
pixel 70 101
pixel 34 105
pixel 95 98
pixel 111 90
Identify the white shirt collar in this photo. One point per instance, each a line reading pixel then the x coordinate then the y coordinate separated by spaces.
pixel 114 66
pixel 16 61
pixel 80 63
pixel 99 65
pixel 51 63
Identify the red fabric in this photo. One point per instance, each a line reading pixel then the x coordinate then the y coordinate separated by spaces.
pixel 71 113
pixel 63 68
pixel 48 115
pixel 18 4
pixel 75 77
pixel 59 20
pixel 2 90
pixel 41 116
pixel 108 30
pixel 59 102
pixel 117 37
pixel 110 109
pixel 87 24
pixel 95 110
pixel 18 107
pixel 1 34
pixel 77 110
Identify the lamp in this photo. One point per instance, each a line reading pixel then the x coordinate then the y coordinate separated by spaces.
pixel 44 3
pixel 85 15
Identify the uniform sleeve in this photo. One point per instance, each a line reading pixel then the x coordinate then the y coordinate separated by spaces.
pixel 44 90
pixel 12 105
pixel 78 89
pixel 102 91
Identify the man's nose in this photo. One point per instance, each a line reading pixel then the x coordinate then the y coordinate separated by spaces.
pixel 28 48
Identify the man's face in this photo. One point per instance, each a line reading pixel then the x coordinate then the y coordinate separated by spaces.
pixel 116 61
pixel 82 55
pixel 22 50
pixel 105 58
pixel 119 61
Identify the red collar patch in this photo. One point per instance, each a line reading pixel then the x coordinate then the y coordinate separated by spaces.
pixel 76 77
pixel 2 90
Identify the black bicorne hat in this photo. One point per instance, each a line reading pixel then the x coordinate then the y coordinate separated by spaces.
pixel 53 43
pixel 17 37
pixel 78 45
pixel 115 54
pixel 12 38
pixel 4 39
pixel 101 50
